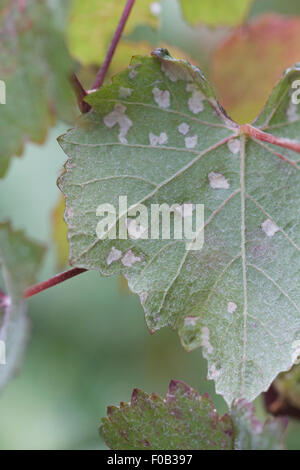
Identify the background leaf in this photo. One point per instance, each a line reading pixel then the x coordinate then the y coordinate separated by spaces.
pixel 184 420
pixel 20 259
pixel 88 43
pixel 181 421
pixel 35 67
pixel 246 66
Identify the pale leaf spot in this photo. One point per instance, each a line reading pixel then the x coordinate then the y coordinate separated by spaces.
pixel 205 342
pixel 124 92
pixel 185 210
pixel 234 146
pixel 175 71
pixel 161 97
pixel 158 139
pixel 191 321
pixel 213 372
pixel 114 255
pixel 195 102
pixel 130 259
pixel 191 142
pixel 218 181
pixel 71 165
pixel 118 116
pixel 183 128
pixel 135 230
pixel 231 307
pixel 132 74
pixel 269 227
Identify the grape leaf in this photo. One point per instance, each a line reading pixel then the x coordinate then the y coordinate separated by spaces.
pixel 35 95
pixel 89 43
pixel 167 140
pixel 266 48
pixel 184 420
pixel 20 259
pixel 215 12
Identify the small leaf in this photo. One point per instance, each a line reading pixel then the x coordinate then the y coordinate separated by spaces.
pixel 182 420
pixel 35 95
pixel 167 140
pixel 249 62
pixel 215 12
pixel 20 259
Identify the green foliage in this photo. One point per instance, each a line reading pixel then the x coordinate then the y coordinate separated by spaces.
pixel 215 12
pixel 235 296
pixel 20 259
pixel 184 420
pixel 35 67
pixel 89 43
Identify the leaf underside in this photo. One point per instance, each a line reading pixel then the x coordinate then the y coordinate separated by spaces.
pixel 158 135
pixel 184 420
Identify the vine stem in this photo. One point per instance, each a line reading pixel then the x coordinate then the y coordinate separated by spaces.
pixel 58 279
pixel 269 138
pixel 81 93
pixel 115 40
